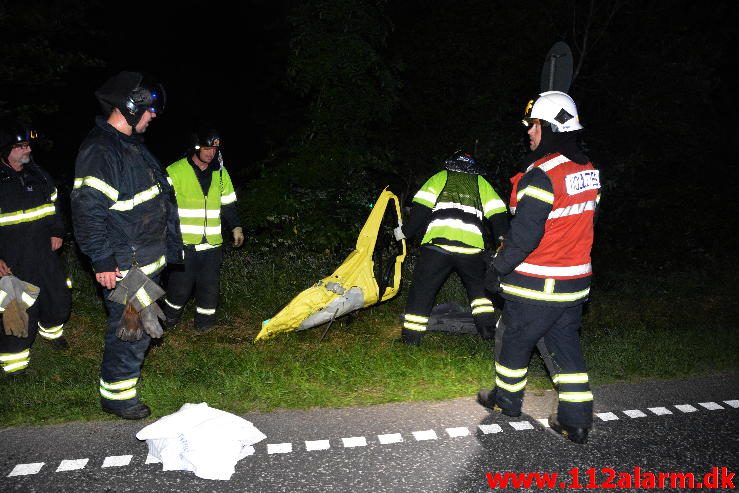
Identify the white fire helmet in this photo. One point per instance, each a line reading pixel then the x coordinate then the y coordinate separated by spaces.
pixel 556 108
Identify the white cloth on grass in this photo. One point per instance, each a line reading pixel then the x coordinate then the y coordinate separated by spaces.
pixel 201 439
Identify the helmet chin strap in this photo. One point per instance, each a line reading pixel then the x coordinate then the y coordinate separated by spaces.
pixel 134 130
pixel 130 119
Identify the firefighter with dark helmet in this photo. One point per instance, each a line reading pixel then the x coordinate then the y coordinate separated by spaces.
pixel 543 269
pixel 124 216
pixel 451 209
pixel 206 203
pixel 31 234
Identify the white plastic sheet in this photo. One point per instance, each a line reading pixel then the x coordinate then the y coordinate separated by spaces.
pixel 198 438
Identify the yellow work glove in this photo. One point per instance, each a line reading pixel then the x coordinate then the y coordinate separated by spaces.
pixel 238 237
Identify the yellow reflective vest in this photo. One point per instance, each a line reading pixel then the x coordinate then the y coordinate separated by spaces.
pixel 200 215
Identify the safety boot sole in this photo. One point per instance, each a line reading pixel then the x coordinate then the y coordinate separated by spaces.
pixel 486 398
pixel 137 411
pixel 572 433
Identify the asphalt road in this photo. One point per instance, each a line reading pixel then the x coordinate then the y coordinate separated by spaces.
pixel 687 426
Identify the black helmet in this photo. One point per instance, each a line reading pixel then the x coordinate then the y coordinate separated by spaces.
pixel 463 162
pixel 205 136
pixel 133 94
pixel 15 134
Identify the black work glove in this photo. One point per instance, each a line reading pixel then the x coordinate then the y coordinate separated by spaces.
pixel 492 279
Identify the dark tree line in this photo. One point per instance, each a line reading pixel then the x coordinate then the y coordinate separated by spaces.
pixel 328 101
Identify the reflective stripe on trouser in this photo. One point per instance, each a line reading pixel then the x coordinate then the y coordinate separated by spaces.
pixel 573 387
pixel 433 268
pixel 122 361
pixel 483 311
pixel 512 380
pixel 172 310
pixel 54 305
pixel 54 301
pixel 416 323
pixel 525 324
pixel 52 332
pixel 118 391
pixel 15 351
pixel 13 362
pixel 200 273
pixel 206 317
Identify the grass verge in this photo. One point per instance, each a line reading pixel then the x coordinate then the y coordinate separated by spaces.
pixel 633 330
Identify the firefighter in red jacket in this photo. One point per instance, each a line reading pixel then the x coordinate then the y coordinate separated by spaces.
pixel 543 270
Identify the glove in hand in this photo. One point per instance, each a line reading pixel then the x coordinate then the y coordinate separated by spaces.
pixel 139 293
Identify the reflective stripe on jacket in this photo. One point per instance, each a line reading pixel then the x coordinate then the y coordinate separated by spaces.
pixel 28 217
pixel 459 202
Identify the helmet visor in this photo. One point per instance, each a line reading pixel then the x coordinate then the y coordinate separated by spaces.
pixel 149 97
pixel 157 99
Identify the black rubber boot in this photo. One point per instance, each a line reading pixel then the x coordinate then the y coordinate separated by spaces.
pixel 14 375
pixel 137 411
pixel 411 337
pixel 204 329
pixel 574 434
pixel 488 399
pixel 60 343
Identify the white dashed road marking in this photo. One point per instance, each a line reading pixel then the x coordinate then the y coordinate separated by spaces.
pixel 634 413
pixel 317 445
pixel 711 406
pixel 488 429
pixel 686 408
pixel 279 448
pixel 72 465
pixel 425 435
pixel 385 439
pixel 354 442
pixel 461 431
pixel 521 425
pixel 26 469
pixel 390 438
pixel 117 460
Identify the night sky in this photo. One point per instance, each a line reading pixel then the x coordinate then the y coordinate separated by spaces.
pixel 653 87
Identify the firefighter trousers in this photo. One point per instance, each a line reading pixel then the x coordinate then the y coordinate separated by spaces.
pixel 525 324
pixel 15 352
pixel 200 273
pixel 48 314
pixel 122 361
pixel 432 270
pixel 55 298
